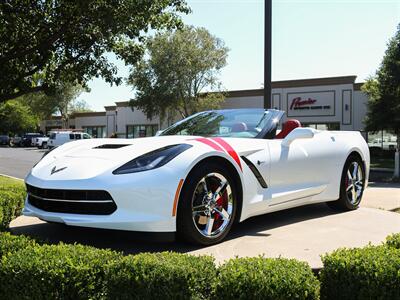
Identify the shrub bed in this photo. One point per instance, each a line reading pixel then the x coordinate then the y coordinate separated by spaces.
pixel 12 198
pixel 393 241
pixel 55 272
pixel 361 273
pixel 161 276
pixel 12 243
pixel 266 278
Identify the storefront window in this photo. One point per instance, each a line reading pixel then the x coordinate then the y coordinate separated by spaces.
pixel 324 126
pixel 96 131
pixel 382 139
pixel 136 131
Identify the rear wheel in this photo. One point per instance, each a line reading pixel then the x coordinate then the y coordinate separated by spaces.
pixel 44 145
pixel 351 185
pixel 207 205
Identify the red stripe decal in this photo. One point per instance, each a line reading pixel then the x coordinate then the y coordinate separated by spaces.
pixel 210 143
pixel 229 149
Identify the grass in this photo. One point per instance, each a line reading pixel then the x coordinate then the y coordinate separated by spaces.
pixel 6 181
pixel 378 162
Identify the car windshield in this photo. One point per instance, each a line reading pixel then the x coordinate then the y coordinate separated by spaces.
pixel 243 123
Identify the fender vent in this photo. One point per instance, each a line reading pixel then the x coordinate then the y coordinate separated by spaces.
pixel 111 146
pixel 255 171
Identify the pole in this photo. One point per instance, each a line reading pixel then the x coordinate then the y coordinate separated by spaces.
pixel 267 52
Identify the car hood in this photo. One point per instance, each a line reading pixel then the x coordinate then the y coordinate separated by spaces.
pixel 89 158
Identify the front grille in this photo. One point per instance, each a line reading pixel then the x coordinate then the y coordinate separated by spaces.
pixel 88 202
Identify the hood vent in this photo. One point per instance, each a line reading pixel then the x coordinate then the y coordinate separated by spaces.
pixel 111 146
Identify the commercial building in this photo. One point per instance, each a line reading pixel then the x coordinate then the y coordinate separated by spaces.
pixel 335 103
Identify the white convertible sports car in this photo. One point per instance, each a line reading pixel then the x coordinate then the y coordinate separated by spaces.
pixel 199 176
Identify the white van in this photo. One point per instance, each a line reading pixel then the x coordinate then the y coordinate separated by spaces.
pixel 58 138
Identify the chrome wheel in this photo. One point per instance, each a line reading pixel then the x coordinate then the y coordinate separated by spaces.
pixel 354 183
pixel 212 205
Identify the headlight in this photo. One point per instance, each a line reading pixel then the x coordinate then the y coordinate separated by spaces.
pixel 152 160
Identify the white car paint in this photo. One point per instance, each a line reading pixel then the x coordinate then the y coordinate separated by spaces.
pixel 303 168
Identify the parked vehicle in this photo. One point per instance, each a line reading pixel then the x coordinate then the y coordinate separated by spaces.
pixel 4 140
pixel 15 141
pixel 26 140
pixel 41 142
pixel 58 138
pixel 200 175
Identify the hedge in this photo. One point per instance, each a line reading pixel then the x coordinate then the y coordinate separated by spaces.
pixel 161 276
pixel 12 198
pixel 55 272
pixel 372 272
pixel 12 243
pixel 266 278
pixel 393 241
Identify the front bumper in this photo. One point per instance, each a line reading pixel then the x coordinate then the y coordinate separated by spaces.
pixel 144 201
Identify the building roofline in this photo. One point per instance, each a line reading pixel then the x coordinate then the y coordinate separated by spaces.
pixel 294 83
pixel 358 85
pixel 122 104
pixel 90 114
pixel 110 107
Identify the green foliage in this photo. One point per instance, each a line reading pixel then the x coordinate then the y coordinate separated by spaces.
pixel 16 117
pixel 361 273
pixel 13 243
pixel 45 43
pixel 55 272
pixel 393 241
pixel 179 66
pixel 383 91
pixel 161 276
pixel 12 198
pixel 266 278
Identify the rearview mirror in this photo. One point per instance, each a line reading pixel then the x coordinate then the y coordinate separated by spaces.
pixel 298 133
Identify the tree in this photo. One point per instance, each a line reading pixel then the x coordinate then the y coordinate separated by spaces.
pixel 383 91
pixel 64 97
pixel 178 68
pixel 67 41
pixel 16 118
pixel 78 106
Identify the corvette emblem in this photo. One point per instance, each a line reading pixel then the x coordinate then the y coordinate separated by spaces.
pixel 55 170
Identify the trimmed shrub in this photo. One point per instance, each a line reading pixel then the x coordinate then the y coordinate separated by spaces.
pixel 12 198
pixel 12 243
pixel 372 272
pixel 266 278
pixel 55 272
pixel 393 241
pixel 164 275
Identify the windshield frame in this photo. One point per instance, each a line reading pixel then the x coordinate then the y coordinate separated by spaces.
pixel 267 132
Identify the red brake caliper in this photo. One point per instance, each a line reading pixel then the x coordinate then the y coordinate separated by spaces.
pixel 221 202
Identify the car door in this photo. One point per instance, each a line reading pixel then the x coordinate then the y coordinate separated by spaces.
pixel 300 170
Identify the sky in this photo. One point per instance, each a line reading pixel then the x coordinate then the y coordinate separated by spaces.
pixel 310 39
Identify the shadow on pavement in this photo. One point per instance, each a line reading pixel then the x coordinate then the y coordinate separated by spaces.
pixel 136 242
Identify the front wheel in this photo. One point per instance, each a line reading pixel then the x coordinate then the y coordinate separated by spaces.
pixel 351 185
pixel 207 205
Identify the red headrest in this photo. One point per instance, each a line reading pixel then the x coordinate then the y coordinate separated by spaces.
pixel 288 126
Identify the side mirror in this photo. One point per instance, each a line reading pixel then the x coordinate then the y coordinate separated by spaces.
pixel 298 133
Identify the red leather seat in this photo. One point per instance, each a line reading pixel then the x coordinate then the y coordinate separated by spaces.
pixel 239 127
pixel 288 126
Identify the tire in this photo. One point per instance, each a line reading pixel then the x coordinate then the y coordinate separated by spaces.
pixel 206 218
pixel 44 145
pixel 352 185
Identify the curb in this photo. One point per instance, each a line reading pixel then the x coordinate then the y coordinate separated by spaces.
pixel 12 177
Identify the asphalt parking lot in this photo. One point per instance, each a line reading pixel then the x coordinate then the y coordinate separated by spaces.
pixel 17 162
pixel 304 233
